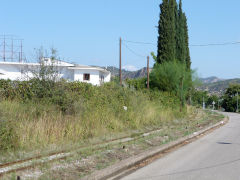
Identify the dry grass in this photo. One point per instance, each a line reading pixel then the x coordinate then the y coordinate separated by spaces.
pixel 96 115
pixel 89 160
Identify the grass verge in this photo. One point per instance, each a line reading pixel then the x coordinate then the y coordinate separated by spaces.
pixel 89 160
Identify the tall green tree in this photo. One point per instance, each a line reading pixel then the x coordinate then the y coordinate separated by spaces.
pixel 188 58
pixel 166 30
pixel 180 36
pixel 173 19
pixel 173 34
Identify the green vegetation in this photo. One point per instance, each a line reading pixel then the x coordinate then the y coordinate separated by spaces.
pixel 199 96
pixel 228 101
pixel 171 77
pixel 172 70
pixel 173 34
pixel 219 87
pixel 88 160
pixel 138 84
pixel 41 113
pixel 231 97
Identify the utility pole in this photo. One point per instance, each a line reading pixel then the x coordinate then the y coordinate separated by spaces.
pixel 120 62
pixel 21 51
pixel 181 95
pixel 19 56
pixel 4 46
pixel 12 50
pixel 148 72
pixel 237 101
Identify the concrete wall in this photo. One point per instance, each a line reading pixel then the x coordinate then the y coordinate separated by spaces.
pixel 107 77
pixel 94 76
pixel 12 72
pixel 66 73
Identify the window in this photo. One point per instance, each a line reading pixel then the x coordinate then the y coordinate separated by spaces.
pixel 86 77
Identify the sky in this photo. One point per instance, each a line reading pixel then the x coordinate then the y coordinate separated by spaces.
pixel 88 31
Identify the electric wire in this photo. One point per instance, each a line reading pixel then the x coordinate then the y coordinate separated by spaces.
pixel 193 45
pixel 132 51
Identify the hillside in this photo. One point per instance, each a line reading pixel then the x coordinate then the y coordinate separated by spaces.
pixel 218 87
pixel 128 74
pixel 213 84
pixel 212 79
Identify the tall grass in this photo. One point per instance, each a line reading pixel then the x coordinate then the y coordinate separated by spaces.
pixel 75 112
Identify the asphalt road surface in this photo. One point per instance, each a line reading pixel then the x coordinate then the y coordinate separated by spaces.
pixel 213 157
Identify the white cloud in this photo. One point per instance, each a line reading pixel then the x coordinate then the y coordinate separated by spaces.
pixel 130 68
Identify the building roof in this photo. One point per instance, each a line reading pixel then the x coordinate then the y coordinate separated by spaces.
pixel 60 63
pixel 88 67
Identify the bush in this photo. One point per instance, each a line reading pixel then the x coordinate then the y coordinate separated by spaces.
pixel 137 84
pixel 72 112
pixel 8 136
pixel 172 77
pixel 230 98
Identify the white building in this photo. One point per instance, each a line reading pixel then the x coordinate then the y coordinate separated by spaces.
pixel 71 72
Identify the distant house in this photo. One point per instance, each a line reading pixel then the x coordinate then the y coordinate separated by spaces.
pixel 68 71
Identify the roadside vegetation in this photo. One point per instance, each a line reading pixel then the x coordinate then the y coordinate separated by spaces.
pixel 90 159
pixel 228 102
pixel 38 113
pixel 231 98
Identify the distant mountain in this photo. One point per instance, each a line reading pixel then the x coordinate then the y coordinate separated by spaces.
pixel 212 79
pixel 217 87
pixel 128 74
pixel 213 85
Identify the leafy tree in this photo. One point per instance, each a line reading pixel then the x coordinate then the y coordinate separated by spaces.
pixel 211 99
pixel 172 76
pixel 138 84
pixel 154 57
pixel 230 98
pixel 198 97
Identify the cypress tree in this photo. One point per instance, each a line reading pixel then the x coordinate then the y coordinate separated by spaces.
pixel 173 34
pixel 177 31
pixel 188 58
pixel 173 21
pixel 166 30
pixel 180 38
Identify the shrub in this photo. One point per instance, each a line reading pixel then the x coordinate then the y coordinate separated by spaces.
pixel 8 136
pixel 230 98
pixel 72 111
pixel 138 84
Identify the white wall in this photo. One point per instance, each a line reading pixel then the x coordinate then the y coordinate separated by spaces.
pixel 66 73
pixel 12 72
pixel 107 77
pixel 25 72
pixel 94 76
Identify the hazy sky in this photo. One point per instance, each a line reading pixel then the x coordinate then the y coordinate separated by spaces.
pixel 88 31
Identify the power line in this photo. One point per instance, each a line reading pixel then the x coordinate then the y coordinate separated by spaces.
pixel 216 44
pixel 137 42
pixel 132 51
pixel 193 45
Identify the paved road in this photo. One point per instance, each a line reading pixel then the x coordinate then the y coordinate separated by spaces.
pixel 213 157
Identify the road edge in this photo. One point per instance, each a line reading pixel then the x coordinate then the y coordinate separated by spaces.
pixel 124 165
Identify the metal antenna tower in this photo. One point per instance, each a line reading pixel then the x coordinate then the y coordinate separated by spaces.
pixel 11 48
